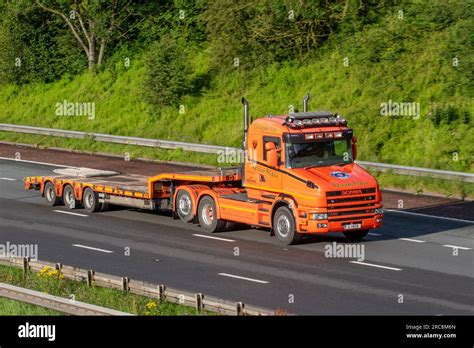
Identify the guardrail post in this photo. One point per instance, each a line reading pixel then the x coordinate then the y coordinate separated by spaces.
pixel 240 308
pixel 161 292
pixel 199 304
pixel 125 284
pixel 90 277
pixel 58 266
pixel 26 264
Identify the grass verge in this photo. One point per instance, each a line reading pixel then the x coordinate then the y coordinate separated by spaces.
pixel 12 307
pixel 425 185
pixel 50 282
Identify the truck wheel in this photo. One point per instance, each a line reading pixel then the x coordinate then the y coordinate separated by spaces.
pixel 91 201
pixel 69 198
pixel 356 235
pixel 50 194
pixel 207 216
pixel 285 227
pixel 184 206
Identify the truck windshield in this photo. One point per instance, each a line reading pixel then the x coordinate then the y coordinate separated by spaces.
pixel 319 153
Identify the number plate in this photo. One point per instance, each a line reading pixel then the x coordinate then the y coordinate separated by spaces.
pixel 353 226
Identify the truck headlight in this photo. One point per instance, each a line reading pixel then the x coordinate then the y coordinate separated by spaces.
pixel 318 216
pixel 379 211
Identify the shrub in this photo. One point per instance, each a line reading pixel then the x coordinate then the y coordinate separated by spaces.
pixel 168 73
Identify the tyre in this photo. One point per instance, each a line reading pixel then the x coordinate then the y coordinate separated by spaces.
pixel 91 201
pixel 184 206
pixel 284 226
pixel 356 235
pixel 207 216
pixel 69 198
pixel 50 194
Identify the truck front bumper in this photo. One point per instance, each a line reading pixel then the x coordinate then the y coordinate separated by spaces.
pixel 325 226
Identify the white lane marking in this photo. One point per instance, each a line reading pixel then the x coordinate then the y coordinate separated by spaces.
pixel 374 234
pixel 70 213
pixel 92 248
pixel 378 266
pixel 35 162
pixel 244 278
pixel 8 179
pixel 216 238
pixel 412 240
pixel 456 247
pixel 426 215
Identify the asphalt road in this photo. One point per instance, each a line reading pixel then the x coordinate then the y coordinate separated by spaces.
pixel 427 261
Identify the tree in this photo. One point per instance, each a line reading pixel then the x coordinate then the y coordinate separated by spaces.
pixel 93 24
pixel 168 75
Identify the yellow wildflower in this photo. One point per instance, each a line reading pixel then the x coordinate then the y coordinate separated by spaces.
pixel 151 305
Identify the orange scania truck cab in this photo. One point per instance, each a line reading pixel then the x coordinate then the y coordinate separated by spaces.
pixel 298 178
pixel 304 164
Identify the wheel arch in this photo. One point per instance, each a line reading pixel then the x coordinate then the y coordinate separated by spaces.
pixel 282 201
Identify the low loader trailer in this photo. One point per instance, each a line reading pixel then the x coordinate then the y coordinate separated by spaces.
pixel 298 178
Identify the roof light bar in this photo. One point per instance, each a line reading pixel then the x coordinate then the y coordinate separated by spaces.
pixel 312 119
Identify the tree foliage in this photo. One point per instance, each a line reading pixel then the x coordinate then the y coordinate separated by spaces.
pixel 168 73
pixel 34 46
pixel 265 31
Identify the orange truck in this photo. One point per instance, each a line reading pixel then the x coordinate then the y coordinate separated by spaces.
pixel 298 178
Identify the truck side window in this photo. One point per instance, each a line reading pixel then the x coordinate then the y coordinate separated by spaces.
pixel 275 140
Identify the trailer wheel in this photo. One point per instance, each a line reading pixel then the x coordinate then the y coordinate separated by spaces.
pixel 91 201
pixel 69 198
pixel 50 194
pixel 184 206
pixel 356 235
pixel 284 226
pixel 207 216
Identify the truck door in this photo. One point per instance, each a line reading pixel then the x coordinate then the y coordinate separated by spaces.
pixel 268 174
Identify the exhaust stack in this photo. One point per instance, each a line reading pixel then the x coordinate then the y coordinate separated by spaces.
pixel 246 120
pixel 305 103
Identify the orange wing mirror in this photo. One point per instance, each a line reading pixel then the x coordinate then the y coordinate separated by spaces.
pixel 271 154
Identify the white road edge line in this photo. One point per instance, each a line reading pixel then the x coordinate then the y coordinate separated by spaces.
pixel 210 237
pixel 70 213
pixel 412 240
pixel 378 266
pixel 91 248
pixel 244 278
pixel 35 162
pixel 427 215
pixel 456 247
pixel 8 179
pixel 374 234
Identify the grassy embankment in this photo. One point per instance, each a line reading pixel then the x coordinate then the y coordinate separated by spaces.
pixel 49 281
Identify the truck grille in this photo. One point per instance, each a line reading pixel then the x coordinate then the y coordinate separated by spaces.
pixel 347 205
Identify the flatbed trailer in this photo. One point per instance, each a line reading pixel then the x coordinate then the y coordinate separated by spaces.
pixel 274 188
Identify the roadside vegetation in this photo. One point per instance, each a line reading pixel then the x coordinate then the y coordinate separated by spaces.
pixel 12 307
pixel 51 282
pixel 177 71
